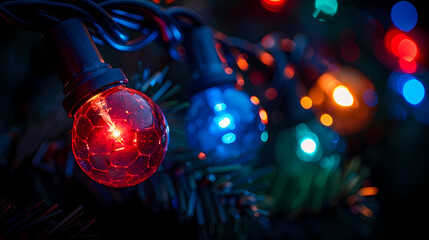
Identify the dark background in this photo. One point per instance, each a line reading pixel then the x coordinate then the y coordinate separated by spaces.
pixel 398 155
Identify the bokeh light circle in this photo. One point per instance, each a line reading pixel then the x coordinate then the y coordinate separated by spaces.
pixel 404 15
pixel 347 96
pixel 413 91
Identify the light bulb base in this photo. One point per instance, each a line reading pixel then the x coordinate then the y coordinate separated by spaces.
pixel 210 69
pixel 79 64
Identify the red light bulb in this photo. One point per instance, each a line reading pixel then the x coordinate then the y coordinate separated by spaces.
pixel 273 5
pixel 119 137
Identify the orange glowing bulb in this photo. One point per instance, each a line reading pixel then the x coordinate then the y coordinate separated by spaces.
pixel 306 102
pixel 341 101
pixel 342 96
pixel 242 63
pixel 266 59
pixel 326 120
pixel 263 115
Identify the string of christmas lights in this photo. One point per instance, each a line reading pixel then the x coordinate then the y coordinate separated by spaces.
pixel 202 157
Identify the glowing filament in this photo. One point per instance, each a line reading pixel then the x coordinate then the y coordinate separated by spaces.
pixel 342 96
pixel 102 110
pixel 116 133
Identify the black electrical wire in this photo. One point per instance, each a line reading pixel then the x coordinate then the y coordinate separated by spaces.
pixel 9 10
pixel 50 20
pixel 169 31
pixel 101 17
pixel 182 12
pixel 18 22
pixel 39 15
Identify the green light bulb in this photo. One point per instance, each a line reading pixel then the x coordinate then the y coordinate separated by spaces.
pixel 327 7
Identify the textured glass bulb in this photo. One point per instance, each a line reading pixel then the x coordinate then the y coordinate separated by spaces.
pixel 225 125
pixel 119 137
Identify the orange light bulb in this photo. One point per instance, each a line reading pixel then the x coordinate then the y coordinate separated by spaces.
pixel 344 99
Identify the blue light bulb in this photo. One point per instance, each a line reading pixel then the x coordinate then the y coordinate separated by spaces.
pixel 225 125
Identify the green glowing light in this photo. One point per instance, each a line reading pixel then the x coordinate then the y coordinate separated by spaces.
pixel 327 7
pixel 308 145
